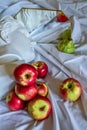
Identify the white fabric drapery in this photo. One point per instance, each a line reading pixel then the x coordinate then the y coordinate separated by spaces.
pixel 65 115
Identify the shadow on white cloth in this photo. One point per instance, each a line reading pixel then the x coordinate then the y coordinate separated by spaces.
pixel 65 115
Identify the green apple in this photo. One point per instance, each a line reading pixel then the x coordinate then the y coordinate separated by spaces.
pixel 39 108
pixel 66 46
pixel 66 34
pixel 66 43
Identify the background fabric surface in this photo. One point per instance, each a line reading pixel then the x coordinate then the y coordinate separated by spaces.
pixel 65 115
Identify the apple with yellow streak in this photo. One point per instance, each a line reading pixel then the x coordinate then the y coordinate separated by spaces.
pixel 26 92
pixel 70 89
pixel 14 102
pixel 42 88
pixel 41 67
pixel 39 108
pixel 25 74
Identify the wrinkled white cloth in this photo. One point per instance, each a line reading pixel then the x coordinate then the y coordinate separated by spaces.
pixel 17 40
pixel 32 18
pixel 65 115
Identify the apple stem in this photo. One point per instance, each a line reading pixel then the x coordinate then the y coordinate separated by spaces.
pixel 35 123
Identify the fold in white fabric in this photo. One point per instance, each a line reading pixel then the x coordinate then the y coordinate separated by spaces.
pixel 65 115
pixel 13 6
pixel 28 17
pixel 17 39
pixel 50 4
pixel 69 110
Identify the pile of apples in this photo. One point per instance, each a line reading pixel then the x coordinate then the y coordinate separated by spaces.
pixel 29 92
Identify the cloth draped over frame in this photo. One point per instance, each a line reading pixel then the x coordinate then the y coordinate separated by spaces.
pixel 40 45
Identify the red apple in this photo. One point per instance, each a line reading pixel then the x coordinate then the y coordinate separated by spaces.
pixel 39 107
pixel 25 74
pixel 42 88
pixel 41 67
pixel 70 89
pixel 61 17
pixel 27 92
pixel 14 102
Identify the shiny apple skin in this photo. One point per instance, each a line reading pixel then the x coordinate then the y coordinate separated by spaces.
pixel 25 74
pixel 40 108
pixel 70 89
pixel 41 67
pixel 42 88
pixel 61 17
pixel 14 102
pixel 26 93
